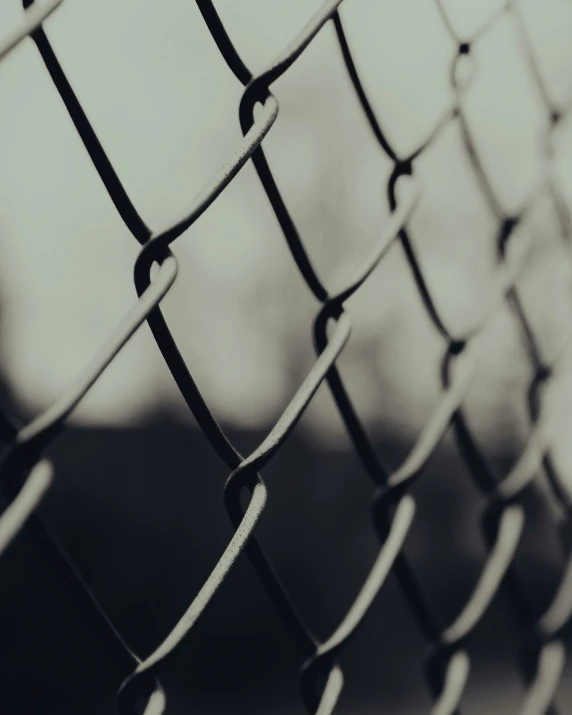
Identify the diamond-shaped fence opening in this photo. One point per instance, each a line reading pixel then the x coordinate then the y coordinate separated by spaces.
pixel 467 115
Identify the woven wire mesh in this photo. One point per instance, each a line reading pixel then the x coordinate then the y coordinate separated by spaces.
pixel 25 475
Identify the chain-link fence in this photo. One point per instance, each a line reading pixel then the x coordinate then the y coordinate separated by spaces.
pixel 25 475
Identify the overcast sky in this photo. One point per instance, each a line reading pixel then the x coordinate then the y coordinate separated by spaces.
pixel 165 108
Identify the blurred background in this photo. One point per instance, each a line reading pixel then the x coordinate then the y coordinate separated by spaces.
pixel 137 499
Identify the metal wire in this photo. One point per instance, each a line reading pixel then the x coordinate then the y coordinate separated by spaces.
pixel 25 476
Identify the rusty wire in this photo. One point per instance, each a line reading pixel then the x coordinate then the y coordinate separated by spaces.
pixel 25 476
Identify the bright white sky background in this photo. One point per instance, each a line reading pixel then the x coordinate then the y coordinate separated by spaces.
pixel 165 108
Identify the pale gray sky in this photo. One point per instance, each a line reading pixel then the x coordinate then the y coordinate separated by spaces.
pixel 165 108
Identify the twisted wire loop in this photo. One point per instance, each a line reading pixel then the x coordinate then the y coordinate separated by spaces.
pixel 245 472
pixel 542 655
pixel 25 476
pixel 322 664
pixel 511 524
pixel 332 307
pixel 244 475
pixel 156 250
pixel 507 278
pixel 23 455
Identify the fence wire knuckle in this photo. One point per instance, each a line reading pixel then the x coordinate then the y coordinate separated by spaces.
pixel 26 476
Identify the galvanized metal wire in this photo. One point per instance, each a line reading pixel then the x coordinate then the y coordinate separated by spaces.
pixel 25 475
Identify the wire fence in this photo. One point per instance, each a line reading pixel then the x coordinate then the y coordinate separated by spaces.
pixel 25 476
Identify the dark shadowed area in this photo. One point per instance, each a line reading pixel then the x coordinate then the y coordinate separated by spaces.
pixel 141 514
